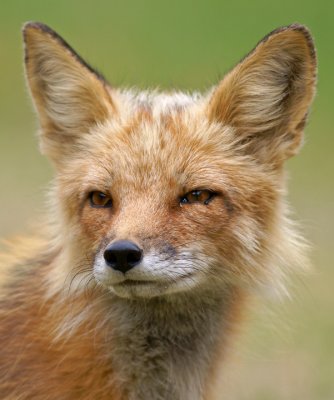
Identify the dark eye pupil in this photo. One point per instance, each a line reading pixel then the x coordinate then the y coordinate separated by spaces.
pixel 197 196
pixel 100 200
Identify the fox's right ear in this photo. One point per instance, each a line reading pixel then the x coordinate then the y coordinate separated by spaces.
pixel 70 97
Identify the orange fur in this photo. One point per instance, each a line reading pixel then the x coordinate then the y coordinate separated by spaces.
pixel 71 326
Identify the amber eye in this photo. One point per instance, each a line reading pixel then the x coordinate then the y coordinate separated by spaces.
pixel 198 196
pixel 99 200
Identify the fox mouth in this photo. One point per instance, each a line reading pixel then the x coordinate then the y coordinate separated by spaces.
pixel 132 288
pixel 133 282
pixel 141 282
pixel 151 278
pixel 140 288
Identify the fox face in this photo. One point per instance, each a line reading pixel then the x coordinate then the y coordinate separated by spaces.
pixel 170 193
pixel 164 194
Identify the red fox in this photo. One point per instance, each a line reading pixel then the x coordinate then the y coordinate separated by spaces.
pixel 167 211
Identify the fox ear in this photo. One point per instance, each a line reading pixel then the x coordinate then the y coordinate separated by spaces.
pixel 68 94
pixel 266 97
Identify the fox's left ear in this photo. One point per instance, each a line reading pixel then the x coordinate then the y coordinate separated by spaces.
pixel 68 94
pixel 266 97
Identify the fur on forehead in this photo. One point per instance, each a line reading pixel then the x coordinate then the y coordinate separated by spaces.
pixel 157 103
pixel 156 134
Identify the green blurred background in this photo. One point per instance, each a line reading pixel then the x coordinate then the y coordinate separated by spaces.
pixel 287 350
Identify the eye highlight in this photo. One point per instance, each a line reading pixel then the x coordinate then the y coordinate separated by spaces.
pixel 99 200
pixel 198 196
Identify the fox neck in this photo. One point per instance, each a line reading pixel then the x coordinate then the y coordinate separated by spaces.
pixel 168 350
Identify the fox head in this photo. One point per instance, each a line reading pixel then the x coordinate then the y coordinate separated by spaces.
pixel 157 194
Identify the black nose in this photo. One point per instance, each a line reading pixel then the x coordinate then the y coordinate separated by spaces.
pixel 123 255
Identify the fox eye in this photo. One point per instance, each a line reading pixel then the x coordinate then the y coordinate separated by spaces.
pixel 99 200
pixel 198 196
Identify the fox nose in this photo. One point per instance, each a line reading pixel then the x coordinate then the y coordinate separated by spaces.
pixel 122 255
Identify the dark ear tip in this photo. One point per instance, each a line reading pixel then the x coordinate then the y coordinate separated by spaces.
pixel 309 39
pixel 31 25
pixel 38 27
pixel 296 27
pixel 292 27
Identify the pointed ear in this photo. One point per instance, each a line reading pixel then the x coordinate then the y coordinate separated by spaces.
pixel 266 97
pixel 68 94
